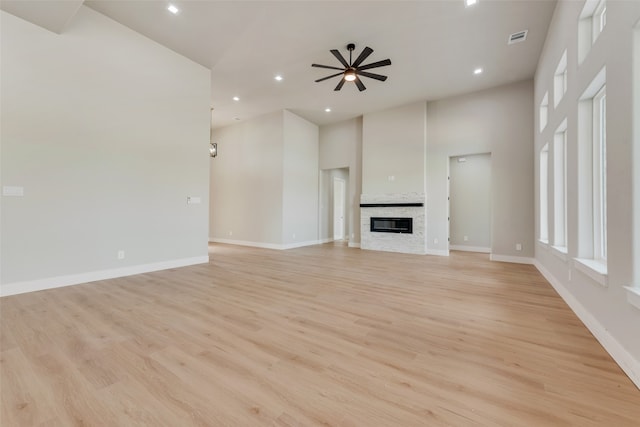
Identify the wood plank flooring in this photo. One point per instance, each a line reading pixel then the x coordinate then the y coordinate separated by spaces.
pixel 316 336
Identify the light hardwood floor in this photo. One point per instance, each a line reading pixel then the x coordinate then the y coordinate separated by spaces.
pixel 323 335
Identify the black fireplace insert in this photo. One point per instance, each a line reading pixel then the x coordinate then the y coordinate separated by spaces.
pixel 391 225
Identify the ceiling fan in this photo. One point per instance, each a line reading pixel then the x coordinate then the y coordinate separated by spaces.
pixel 352 70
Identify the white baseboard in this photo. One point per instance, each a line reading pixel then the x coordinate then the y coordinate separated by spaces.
pixel 326 240
pixel 620 355
pixel 354 244
pixel 92 276
pixel 276 246
pixel 513 259
pixel 301 244
pixel 438 252
pixel 470 248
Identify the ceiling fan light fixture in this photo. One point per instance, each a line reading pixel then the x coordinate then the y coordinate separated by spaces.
pixel 353 71
pixel 350 75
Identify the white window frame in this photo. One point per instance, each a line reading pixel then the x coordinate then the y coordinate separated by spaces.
pixel 544 111
pixel 560 235
pixel 591 249
pixel 544 194
pixel 560 80
pixel 598 20
pixel 593 20
pixel 600 176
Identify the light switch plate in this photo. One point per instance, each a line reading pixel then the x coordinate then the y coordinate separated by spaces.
pixel 194 200
pixel 9 190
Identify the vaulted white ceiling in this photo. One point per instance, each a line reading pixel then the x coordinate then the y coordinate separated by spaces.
pixel 434 47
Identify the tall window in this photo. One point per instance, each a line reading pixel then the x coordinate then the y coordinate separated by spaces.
pixel 544 194
pixel 560 187
pixel 599 20
pixel 544 111
pixel 560 80
pixel 600 175
pixel 592 176
pixel 593 20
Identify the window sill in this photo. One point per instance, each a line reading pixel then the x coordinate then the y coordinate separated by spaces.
pixel 544 244
pixel 596 270
pixel 560 252
pixel 633 296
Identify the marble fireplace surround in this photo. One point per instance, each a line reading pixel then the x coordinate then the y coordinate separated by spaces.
pixel 404 205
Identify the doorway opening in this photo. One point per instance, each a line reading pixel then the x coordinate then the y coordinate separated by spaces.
pixel 334 224
pixel 470 203
pixel 339 202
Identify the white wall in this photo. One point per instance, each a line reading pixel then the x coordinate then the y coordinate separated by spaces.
pixel 470 202
pixel 264 182
pixel 107 132
pixel 604 309
pixel 394 145
pixel 300 181
pixel 497 121
pixel 341 147
pixel 247 181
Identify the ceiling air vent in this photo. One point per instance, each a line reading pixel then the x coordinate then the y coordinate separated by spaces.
pixel 520 36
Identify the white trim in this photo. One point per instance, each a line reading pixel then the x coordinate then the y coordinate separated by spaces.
pixel 543 243
pixel 470 248
pixel 92 276
pixel 597 271
pixel 438 252
pixel 354 244
pixel 276 246
pixel 326 240
pixel 560 252
pixel 300 244
pixel 246 243
pixel 620 355
pixel 509 258
pixel 633 296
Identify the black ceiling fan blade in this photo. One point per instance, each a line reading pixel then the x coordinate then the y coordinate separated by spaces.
pixel 376 64
pixel 372 75
pixel 326 66
pixel 340 58
pixel 364 55
pixel 340 84
pixel 328 77
pixel 358 83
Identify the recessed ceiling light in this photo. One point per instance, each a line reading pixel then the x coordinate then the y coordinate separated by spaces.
pixel 235 98
pixel 171 8
pixel 236 118
pixel 477 71
pixel 278 78
pixel 327 110
pixel 468 3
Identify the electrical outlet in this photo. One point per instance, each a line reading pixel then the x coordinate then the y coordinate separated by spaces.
pixel 120 254
pixel 466 238
pixel 435 241
pixel 294 235
pixel 518 246
pixel 230 233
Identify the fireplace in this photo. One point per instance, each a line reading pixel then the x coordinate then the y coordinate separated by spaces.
pixel 391 225
pixel 393 222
